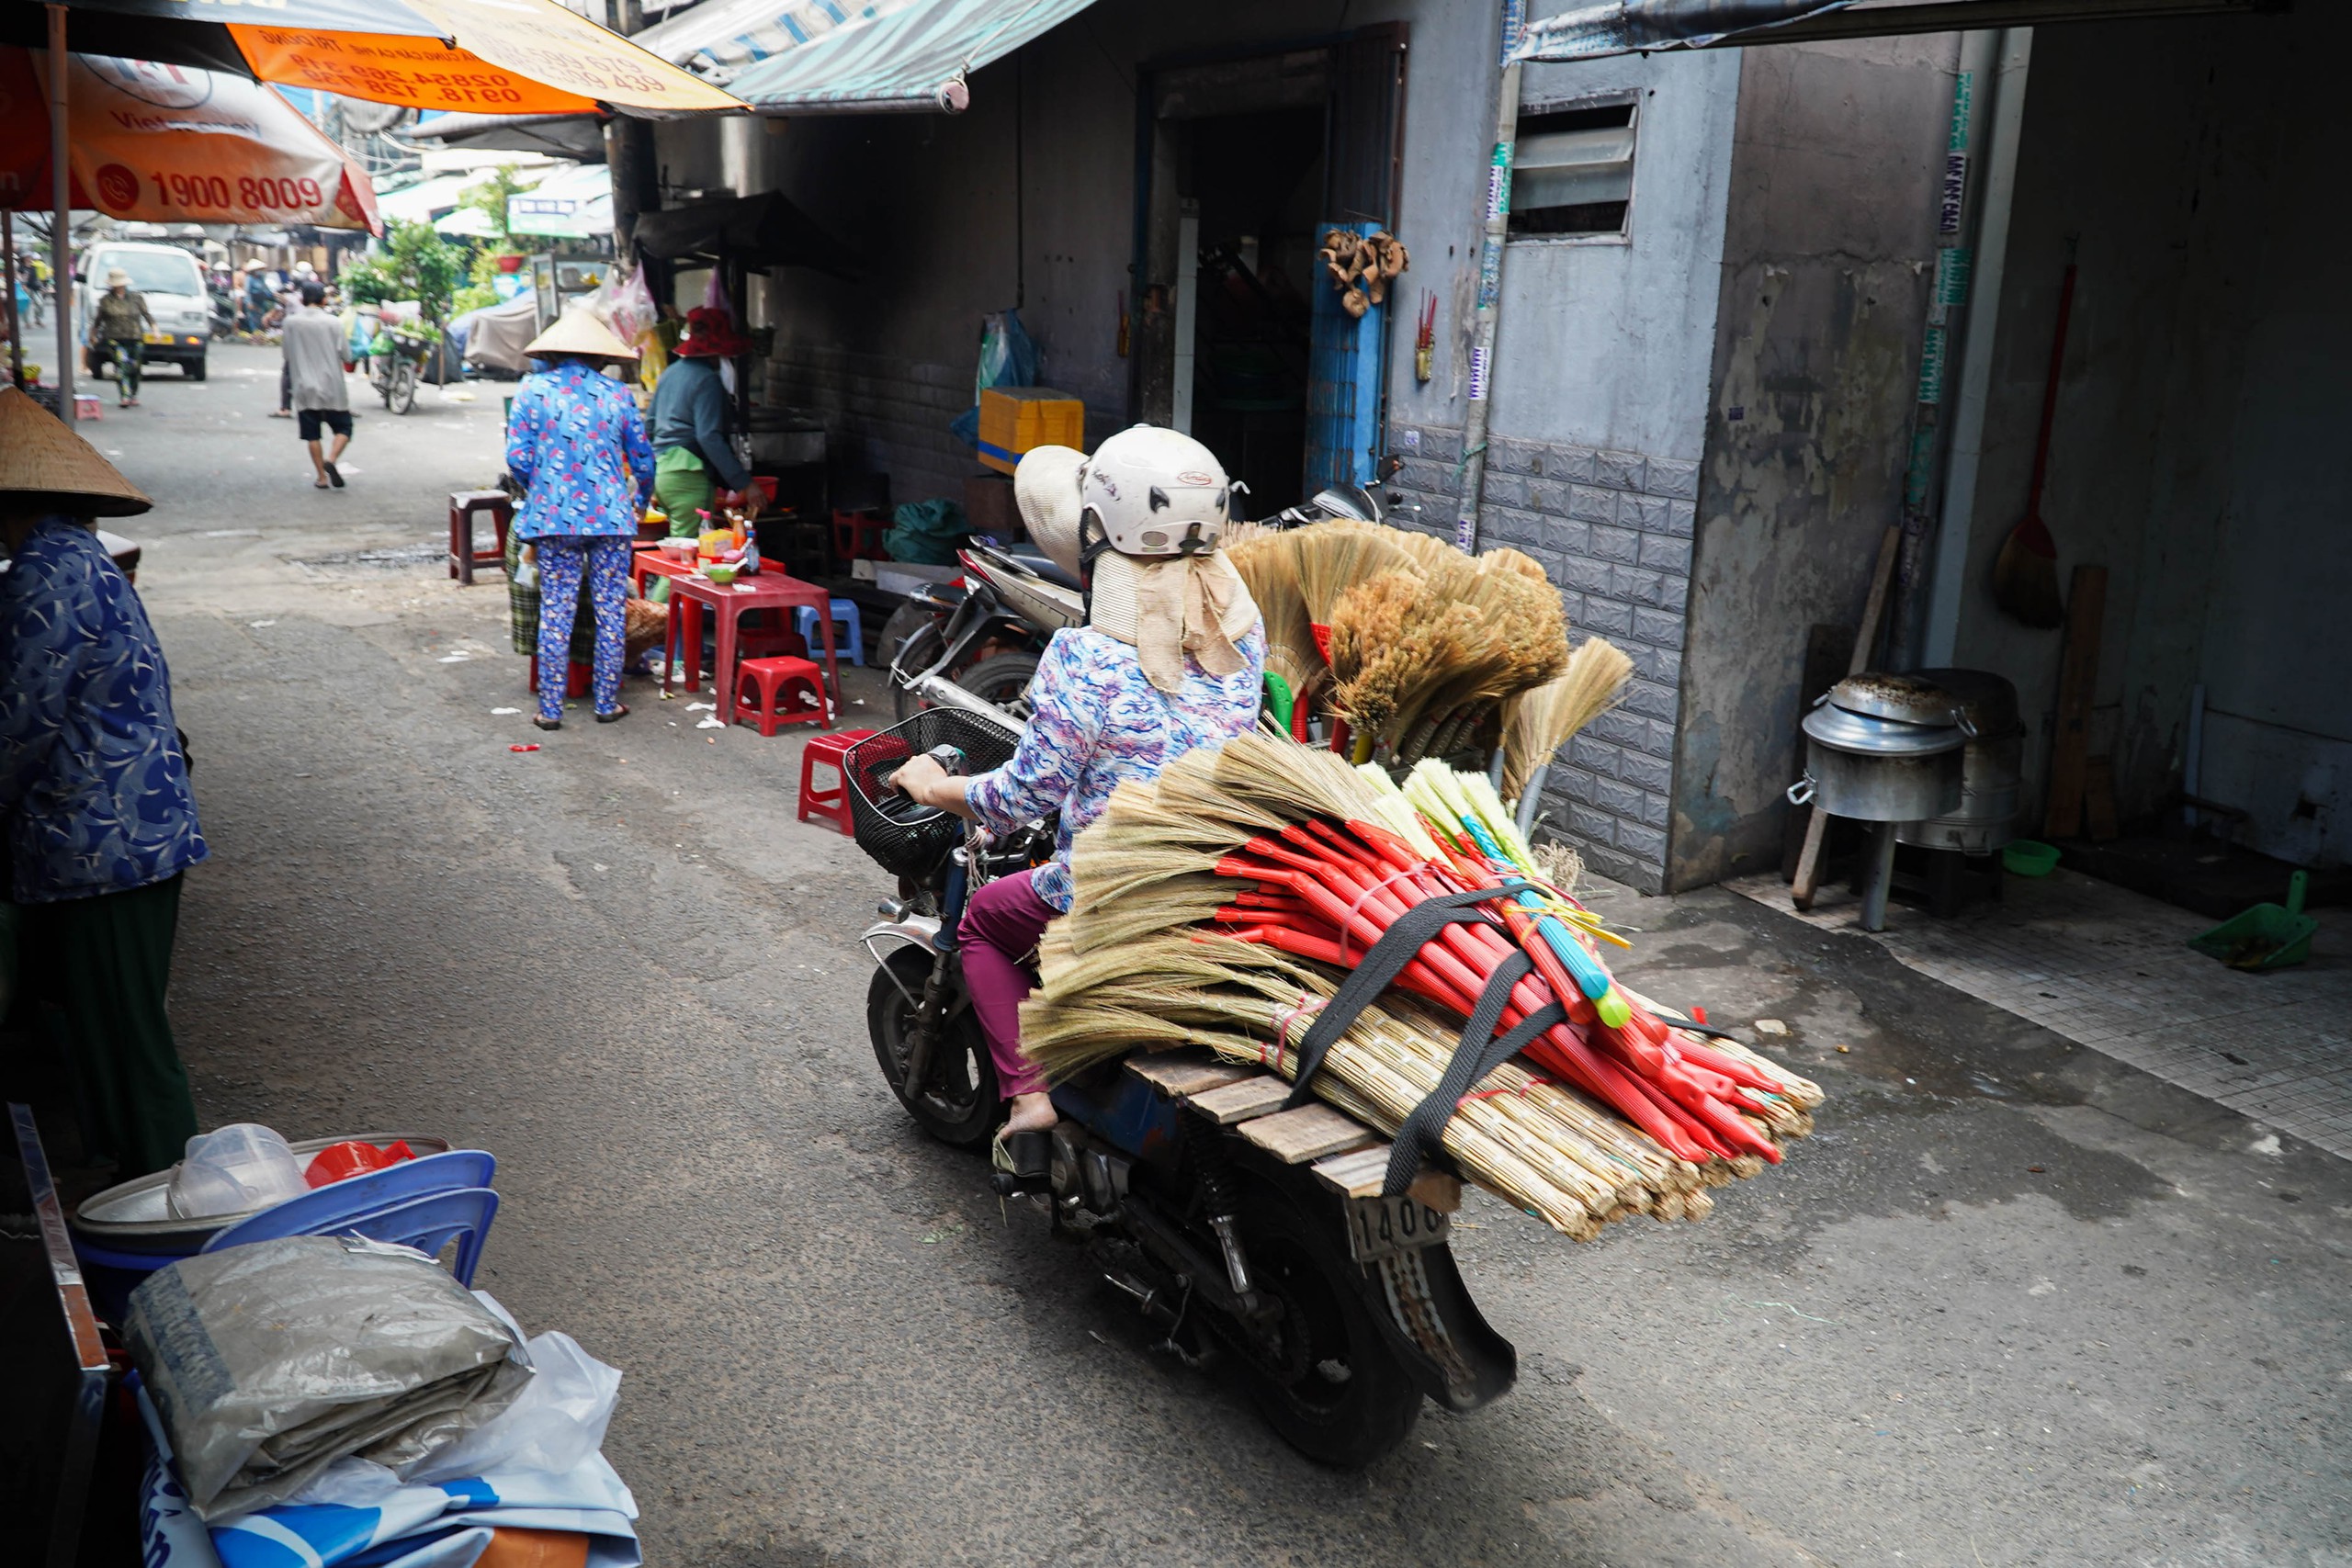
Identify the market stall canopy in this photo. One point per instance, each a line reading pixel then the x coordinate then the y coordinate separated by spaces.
pixel 580 137
pixel 426 199
pixel 910 56
pixel 568 204
pixel 757 231
pixel 1626 27
pixel 173 144
pixel 501 56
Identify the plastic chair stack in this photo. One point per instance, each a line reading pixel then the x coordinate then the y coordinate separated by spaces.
pixel 427 1203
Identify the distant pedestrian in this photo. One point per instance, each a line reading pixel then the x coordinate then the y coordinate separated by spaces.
pixel 312 344
pixel 576 444
pixel 691 423
pixel 119 324
pixel 94 789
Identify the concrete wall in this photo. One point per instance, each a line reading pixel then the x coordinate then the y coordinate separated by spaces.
pixel 1598 422
pixel 2197 447
pixel 1828 246
pixel 930 202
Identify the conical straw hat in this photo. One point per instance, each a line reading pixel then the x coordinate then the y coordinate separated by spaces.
pixel 579 332
pixel 46 467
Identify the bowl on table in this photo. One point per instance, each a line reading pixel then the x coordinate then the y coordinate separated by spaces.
pixel 681 550
pixel 723 575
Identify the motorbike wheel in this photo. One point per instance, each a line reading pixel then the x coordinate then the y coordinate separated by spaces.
pixel 403 396
pixel 1002 679
pixel 960 1105
pixel 1332 1387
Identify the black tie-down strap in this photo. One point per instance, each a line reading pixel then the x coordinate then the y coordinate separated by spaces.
pixel 1386 958
pixel 1480 1051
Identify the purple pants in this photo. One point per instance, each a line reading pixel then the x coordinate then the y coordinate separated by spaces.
pixel 998 935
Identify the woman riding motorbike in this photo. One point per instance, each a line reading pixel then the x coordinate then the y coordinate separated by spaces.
pixel 1170 659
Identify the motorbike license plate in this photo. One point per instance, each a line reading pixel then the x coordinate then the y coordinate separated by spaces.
pixel 1390 1227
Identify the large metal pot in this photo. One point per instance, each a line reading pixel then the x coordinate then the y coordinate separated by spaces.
pixel 1991 764
pixel 1873 767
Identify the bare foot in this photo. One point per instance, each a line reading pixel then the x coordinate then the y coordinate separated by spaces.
pixel 1031 1113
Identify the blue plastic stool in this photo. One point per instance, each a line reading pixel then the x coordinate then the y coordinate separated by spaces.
pixel 427 1224
pixel 844 610
pixel 358 1203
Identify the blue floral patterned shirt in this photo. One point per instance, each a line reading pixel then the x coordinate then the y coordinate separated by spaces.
pixel 577 444
pixel 1099 722
pixel 93 783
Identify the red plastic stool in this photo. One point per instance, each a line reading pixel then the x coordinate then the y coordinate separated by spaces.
pixel 827 750
pixel 775 677
pixel 858 535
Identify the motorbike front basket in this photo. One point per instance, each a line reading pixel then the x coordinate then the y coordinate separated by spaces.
pixel 903 839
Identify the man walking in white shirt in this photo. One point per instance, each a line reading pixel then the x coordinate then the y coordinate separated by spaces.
pixel 314 345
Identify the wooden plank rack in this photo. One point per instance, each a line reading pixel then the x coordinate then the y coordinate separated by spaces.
pixel 1251 1103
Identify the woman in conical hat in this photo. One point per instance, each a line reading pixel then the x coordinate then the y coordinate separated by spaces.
pixel 576 443
pixel 94 787
pixel 1170 660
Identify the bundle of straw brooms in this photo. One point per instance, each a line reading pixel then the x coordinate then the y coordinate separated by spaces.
pixel 1224 904
pixel 1412 649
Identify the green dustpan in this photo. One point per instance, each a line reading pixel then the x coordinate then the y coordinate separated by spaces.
pixel 2265 937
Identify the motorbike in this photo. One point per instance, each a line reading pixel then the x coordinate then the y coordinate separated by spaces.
pixel 1341 1327
pixel 985 633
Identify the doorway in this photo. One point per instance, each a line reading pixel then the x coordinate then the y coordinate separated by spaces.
pixel 1248 162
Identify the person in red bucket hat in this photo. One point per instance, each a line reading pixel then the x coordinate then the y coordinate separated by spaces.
pixel 691 420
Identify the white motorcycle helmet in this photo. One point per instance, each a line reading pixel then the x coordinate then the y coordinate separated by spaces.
pixel 1152 491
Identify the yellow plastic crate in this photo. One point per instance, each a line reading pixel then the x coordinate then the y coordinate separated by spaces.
pixel 1015 419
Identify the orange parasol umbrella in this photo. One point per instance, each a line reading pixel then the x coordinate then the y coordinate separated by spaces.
pixel 171 144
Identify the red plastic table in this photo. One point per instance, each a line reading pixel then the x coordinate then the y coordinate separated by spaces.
pixel 768 591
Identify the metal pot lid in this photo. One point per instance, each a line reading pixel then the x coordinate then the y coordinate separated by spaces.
pixel 1988 701
pixel 1843 730
pixel 137 1216
pixel 1908 699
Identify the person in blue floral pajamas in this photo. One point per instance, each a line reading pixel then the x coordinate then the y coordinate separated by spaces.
pixel 576 444
pixel 99 814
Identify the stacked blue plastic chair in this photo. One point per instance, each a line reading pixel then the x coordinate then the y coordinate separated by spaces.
pixel 427 1203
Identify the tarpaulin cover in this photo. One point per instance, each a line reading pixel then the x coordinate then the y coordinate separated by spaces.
pixel 500 56
pixel 171 144
pixel 911 57
pixel 1622 26
pixel 758 231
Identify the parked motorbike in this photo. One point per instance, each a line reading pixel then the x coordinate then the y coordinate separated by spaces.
pixel 985 633
pixel 1340 1332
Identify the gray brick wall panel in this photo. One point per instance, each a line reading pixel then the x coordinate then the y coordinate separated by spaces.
pixel 1589 823
pixel 1653 774
pixel 1646 844
pixel 1587 749
pixel 1618 798
pixel 1571 463
pixel 1606 617
pixel 1673 476
pixel 1666 552
pixel 1514 457
pixel 1620 471
pixel 1663 628
pixel 1567 536
pixel 1590 503
pixel 1616 544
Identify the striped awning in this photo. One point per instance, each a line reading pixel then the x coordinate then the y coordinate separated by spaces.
pixel 830 56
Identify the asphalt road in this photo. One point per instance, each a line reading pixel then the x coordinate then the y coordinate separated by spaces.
pixel 2016 1304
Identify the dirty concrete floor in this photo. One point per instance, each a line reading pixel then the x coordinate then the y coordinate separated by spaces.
pixel 2016 1303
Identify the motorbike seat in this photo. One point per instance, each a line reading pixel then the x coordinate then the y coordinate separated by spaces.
pixel 1046 567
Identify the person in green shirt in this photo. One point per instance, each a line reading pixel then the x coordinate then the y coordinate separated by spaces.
pixel 692 457
pixel 119 324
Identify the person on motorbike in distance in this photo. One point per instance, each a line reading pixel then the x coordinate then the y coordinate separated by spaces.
pixel 1170 658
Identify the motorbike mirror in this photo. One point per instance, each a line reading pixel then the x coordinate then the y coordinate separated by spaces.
pixel 1349 501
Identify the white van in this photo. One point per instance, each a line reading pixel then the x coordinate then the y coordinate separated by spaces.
pixel 177 297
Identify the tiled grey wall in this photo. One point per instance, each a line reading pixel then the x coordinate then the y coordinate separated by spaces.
pixel 1614 530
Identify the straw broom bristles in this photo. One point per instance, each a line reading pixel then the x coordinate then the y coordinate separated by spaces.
pixel 1335 556
pixel 1539 722
pixel 1268 566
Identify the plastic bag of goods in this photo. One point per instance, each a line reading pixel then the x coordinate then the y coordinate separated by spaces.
pixel 268 1362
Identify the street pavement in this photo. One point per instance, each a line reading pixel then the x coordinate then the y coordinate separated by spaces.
pixel 2016 1303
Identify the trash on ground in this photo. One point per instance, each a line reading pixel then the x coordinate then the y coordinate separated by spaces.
pixel 532 747
pixel 503 712
pixel 712 722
